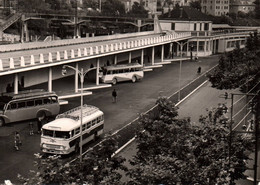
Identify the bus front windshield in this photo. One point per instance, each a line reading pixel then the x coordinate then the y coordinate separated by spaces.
pixel 56 134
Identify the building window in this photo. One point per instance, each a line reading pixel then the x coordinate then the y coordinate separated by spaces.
pixel 206 26
pixel 195 26
pixel 201 45
pixel 173 26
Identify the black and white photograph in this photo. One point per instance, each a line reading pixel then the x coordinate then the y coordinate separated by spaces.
pixel 130 92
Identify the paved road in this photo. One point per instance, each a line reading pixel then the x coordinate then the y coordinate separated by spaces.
pixel 132 100
pixel 193 107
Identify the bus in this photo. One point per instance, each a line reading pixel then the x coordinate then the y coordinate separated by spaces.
pixel 62 136
pixel 28 104
pixel 117 73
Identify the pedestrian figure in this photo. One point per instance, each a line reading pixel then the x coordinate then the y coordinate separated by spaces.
pixel 39 124
pixel 225 109
pixel 114 95
pixel 199 70
pixel 17 141
pixel 196 58
pixel 31 128
pixel 8 88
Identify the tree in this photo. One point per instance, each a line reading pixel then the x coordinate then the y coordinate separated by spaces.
pixel 98 167
pixel 196 5
pixel 138 10
pixel 257 8
pixel 172 150
pixel 239 67
pixel 113 8
pixel 33 6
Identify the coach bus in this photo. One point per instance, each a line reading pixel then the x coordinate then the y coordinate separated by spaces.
pixel 28 104
pixel 117 73
pixel 62 136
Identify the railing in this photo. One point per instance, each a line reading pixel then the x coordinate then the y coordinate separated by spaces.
pixel 10 21
pixel 41 58
pixel 75 113
pixel 221 32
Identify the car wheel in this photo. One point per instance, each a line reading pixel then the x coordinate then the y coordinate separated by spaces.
pixel 114 81
pixel 134 79
pixel 41 116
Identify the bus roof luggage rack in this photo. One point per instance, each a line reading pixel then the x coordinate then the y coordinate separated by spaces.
pixel 75 113
pixel 131 65
pixel 28 93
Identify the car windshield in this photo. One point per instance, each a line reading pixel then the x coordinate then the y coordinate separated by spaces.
pixel 4 100
pixel 2 105
pixel 56 134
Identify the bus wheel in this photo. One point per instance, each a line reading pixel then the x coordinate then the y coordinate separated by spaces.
pixel 2 122
pixel 41 116
pixel 114 81
pixel 134 79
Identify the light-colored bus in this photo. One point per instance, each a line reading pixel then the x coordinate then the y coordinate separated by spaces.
pixel 29 104
pixel 117 73
pixel 62 136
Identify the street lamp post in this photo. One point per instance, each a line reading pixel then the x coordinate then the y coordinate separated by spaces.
pixel 76 20
pixel 181 45
pixel 82 76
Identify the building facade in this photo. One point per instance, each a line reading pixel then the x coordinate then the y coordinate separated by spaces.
pixel 245 6
pixel 205 41
pixel 215 7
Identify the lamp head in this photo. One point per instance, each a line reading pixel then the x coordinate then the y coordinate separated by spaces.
pixel 63 71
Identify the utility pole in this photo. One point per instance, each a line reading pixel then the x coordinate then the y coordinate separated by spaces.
pixel 76 20
pixel 256 136
pixel 256 110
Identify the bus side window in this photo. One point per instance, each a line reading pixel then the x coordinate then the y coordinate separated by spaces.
pixel 21 105
pixel 132 70
pixel 83 127
pixel 94 121
pixel 127 70
pixel 88 124
pixel 109 72
pixel 13 106
pixel 30 103
pixel 38 102
pixel 115 71
pixel 77 130
pixel 46 100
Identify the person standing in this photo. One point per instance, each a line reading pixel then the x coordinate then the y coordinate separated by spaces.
pixel 17 141
pixel 199 70
pixel 114 95
pixel 31 128
pixel 39 124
